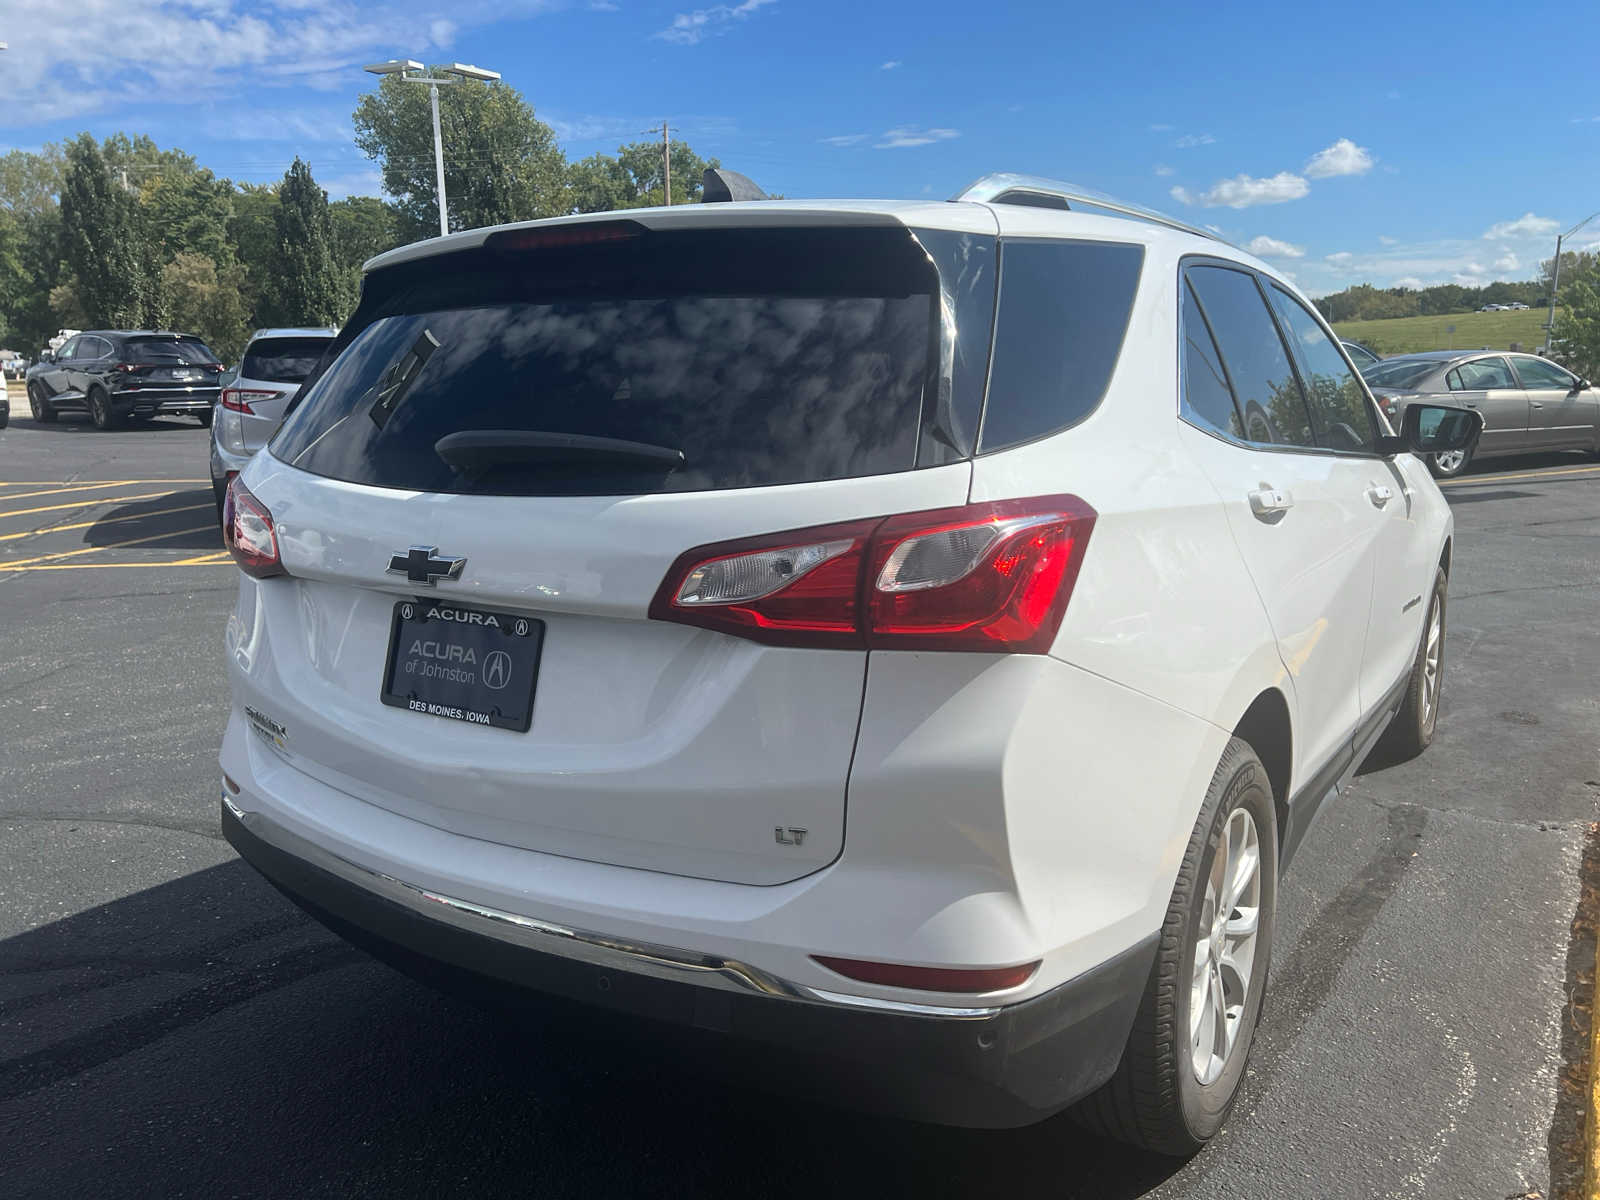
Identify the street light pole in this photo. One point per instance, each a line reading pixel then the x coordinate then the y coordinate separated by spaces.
pixel 1555 280
pixel 402 68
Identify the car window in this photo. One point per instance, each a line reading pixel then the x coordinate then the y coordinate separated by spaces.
pixel 69 348
pixel 1360 355
pixel 169 349
pixel 282 359
pixel 1264 384
pixel 1207 398
pixel 1059 327
pixel 1536 373
pixel 1483 373
pixel 1398 373
pixel 95 348
pixel 1340 415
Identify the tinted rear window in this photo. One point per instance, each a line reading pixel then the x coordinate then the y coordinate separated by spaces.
pixel 282 360
pixel 1058 330
pixel 765 356
pixel 158 349
pixel 1391 374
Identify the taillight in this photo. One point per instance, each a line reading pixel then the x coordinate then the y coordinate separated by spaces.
pixel 248 532
pixel 931 979
pixel 994 576
pixel 126 368
pixel 240 399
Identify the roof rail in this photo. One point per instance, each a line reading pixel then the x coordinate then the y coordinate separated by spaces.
pixel 1006 188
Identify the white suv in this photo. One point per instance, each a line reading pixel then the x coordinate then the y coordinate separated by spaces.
pixel 916 634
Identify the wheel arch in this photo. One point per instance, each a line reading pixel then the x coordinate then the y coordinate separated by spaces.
pixel 1444 555
pixel 1267 726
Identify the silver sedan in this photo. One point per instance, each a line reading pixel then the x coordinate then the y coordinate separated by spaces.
pixel 1528 403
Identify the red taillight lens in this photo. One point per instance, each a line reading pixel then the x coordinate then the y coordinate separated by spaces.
pixel 248 533
pixel 993 576
pixel 931 979
pixel 240 399
pixel 126 368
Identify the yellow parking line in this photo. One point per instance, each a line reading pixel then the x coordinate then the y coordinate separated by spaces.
pixel 1524 475
pixel 24 512
pixel 160 512
pixel 204 560
pixel 138 541
pixel 72 490
pixel 68 483
pixel 185 562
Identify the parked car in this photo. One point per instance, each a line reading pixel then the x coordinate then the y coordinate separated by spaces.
pixel 1491 308
pixel 13 366
pixel 1360 355
pixel 1517 305
pixel 5 408
pixel 609 555
pixel 274 364
pixel 1528 403
pixel 114 375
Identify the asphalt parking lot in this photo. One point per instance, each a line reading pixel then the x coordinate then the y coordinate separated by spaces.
pixel 170 1026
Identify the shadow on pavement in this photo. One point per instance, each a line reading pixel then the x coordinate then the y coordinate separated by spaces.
pixel 202 1037
pixel 189 516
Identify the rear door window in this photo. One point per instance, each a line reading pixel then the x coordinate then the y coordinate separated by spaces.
pixel 169 349
pixel 1264 383
pixel 1059 326
pixel 1483 374
pixel 283 359
pixel 764 356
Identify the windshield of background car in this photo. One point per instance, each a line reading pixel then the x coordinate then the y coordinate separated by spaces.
pixel 766 356
pixel 1398 374
pixel 159 349
pixel 282 359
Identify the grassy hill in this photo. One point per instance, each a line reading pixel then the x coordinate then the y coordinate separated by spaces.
pixel 1496 330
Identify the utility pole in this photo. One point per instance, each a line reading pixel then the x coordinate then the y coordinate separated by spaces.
pixel 666 160
pixel 1555 282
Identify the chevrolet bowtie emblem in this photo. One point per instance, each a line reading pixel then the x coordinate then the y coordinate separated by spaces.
pixel 425 565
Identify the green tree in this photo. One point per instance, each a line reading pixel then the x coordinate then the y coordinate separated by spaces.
pixel 1577 329
pixel 307 286
pixel 501 162
pixel 209 301
pixel 635 177
pixel 189 213
pixel 30 183
pixel 106 245
pixel 253 231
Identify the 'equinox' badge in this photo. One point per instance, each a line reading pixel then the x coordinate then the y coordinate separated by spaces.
pixel 424 564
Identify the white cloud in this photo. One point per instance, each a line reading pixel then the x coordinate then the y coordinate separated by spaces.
pixel 358 183
pixel 1408 281
pixel 1527 225
pixel 891 65
pixel 1473 268
pixel 691 27
pixel 54 71
pixel 1341 258
pixel 1270 247
pixel 1388 241
pixel 1344 157
pixel 1182 195
pixel 1164 170
pixel 1190 140
pixel 1506 262
pixel 1244 191
pixel 602 6
pixel 1161 129
pixel 910 135
pixel 846 139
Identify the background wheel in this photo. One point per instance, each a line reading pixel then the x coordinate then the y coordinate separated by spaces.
pixel 1448 463
pixel 100 409
pixel 42 412
pixel 1187 1051
pixel 1411 731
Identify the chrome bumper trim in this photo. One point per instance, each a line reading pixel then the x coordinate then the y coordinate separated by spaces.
pixel 597 949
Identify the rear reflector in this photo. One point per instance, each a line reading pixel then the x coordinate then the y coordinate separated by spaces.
pixel 931 979
pixel 248 533
pixel 993 577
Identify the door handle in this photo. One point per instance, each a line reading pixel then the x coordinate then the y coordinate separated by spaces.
pixel 1266 501
pixel 1380 494
pixel 1535 404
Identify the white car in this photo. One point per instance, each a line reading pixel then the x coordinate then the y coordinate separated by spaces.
pixel 274 364
pixel 696 612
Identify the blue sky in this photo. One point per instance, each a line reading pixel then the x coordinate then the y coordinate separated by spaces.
pixel 1362 143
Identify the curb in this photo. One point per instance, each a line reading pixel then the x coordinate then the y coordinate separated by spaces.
pixel 1591 1120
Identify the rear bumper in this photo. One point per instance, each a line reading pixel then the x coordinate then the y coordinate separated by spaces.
pixel 156 402
pixel 992 1066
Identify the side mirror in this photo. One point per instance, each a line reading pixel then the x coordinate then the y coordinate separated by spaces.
pixel 1579 385
pixel 47 356
pixel 1433 429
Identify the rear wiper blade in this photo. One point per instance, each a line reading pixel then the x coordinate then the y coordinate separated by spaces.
pixel 477 449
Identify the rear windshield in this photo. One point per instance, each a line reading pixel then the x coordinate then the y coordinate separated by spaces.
pixel 1389 374
pixel 282 360
pixel 764 356
pixel 169 349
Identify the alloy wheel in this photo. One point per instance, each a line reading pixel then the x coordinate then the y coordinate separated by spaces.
pixel 1432 659
pixel 1450 461
pixel 1225 947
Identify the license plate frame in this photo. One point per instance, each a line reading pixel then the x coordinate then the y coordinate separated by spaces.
pixel 451 641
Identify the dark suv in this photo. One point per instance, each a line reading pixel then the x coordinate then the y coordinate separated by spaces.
pixel 115 375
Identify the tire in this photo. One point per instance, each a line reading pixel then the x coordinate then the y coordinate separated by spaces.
pixel 1454 463
pixel 42 412
pixel 205 419
pixel 1411 730
pixel 100 409
pixel 1157 1100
